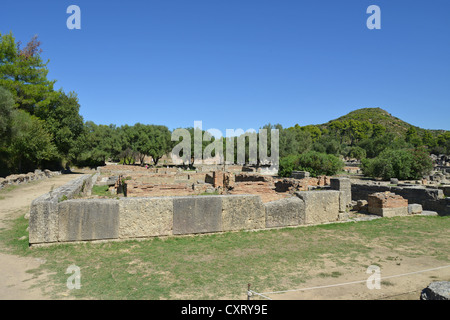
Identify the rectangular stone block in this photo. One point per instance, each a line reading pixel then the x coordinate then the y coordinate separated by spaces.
pixel 201 214
pixel 43 223
pixel 389 212
pixel 93 219
pixel 242 212
pixel 285 212
pixel 145 217
pixel 44 211
pixel 344 186
pixel 320 206
pixel 414 208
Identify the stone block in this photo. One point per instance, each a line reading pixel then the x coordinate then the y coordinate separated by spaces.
pixel 439 290
pixel 43 224
pixel 414 208
pixel 387 204
pixel 145 217
pixel 344 186
pixel 285 212
pixel 242 212
pixel 300 174
pixel 88 220
pixel 201 214
pixel 320 206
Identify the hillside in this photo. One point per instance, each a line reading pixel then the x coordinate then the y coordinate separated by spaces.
pixel 381 117
pixel 376 116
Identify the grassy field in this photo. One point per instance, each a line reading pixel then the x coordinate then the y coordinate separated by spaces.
pixel 219 266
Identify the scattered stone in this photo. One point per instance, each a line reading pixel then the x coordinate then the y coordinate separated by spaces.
pixel 415 208
pixel 394 181
pixel 439 290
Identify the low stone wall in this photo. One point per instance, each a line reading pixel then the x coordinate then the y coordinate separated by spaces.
pixel 44 211
pixel 129 218
pixel 17 179
pixel 430 199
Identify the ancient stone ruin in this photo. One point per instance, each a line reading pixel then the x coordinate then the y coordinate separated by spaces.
pixel 157 202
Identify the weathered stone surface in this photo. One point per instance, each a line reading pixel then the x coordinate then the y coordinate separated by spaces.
pixel 285 212
pixel 299 174
pixel 145 217
pixel 44 210
pixel 394 181
pixel 344 186
pixel 320 206
pixel 242 212
pixel 387 204
pixel 414 208
pixel 439 290
pixel 88 220
pixel 201 214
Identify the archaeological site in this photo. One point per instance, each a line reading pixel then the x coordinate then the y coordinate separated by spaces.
pixel 143 202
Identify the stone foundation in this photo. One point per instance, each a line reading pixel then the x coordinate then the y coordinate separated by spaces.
pixel 387 204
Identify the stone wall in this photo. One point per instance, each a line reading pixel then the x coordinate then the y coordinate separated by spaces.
pixel 430 198
pixel 53 219
pixel 44 211
pixel 17 179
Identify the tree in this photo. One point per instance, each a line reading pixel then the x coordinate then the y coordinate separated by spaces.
pixel 62 121
pixel 24 74
pixel 31 144
pixel 400 163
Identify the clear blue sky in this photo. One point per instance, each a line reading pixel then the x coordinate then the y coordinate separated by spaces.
pixel 244 63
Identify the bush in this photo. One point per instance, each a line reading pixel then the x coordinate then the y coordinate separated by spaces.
pixel 401 164
pixel 316 163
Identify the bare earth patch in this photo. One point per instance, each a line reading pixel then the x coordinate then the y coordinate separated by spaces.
pixel 16 282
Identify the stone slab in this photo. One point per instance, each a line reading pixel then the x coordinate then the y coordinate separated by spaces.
pixel 93 219
pixel 242 212
pixel 201 214
pixel 285 212
pixel 145 217
pixel 43 224
pixel 320 206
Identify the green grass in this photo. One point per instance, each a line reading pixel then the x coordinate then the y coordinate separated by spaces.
pixel 217 266
pixel 101 191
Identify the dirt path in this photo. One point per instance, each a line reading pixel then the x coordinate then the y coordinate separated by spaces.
pixel 402 278
pixel 15 282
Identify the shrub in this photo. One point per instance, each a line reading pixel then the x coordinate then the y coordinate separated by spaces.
pixel 316 163
pixel 401 164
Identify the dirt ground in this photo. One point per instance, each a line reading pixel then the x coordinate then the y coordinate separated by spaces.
pixel 400 279
pixel 15 282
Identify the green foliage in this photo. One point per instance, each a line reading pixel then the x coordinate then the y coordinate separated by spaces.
pixel 24 74
pixel 357 153
pixel 314 162
pixel 402 164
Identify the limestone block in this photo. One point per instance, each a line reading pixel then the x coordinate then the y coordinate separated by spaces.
pixel 320 206
pixel 414 208
pixel 93 219
pixel 145 217
pixel 242 212
pixel 344 186
pixel 439 290
pixel 387 204
pixel 285 212
pixel 197 214
pixel 43 224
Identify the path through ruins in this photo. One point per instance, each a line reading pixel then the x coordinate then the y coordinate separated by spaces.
pixel 15 282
